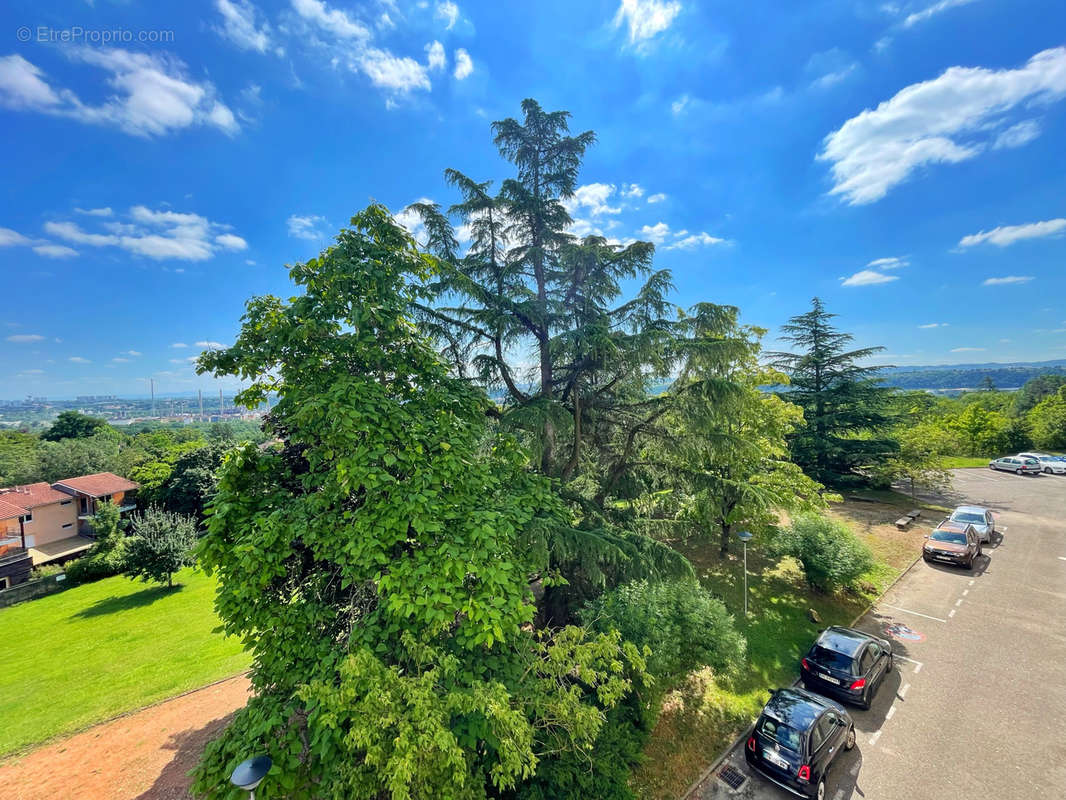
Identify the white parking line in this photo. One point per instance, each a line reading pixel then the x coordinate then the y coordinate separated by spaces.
pixel 916 613
pixel 958 602
pixel 903 690
pixel 918 664
pixel 891 713
pixel 965 592
pixel 951 613
pixel 971 581
pixel 875 736
pixel 1062 558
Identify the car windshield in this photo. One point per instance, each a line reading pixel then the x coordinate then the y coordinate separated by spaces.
pixel 780 733
pixel 968 516
pixel 948 536
pixel 830 659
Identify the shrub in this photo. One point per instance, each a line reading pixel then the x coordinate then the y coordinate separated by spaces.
pixel 107 556
pixel 45 571
pixel 829 552
pixel 683 625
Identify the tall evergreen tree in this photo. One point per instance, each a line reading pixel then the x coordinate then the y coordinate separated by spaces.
pixel 844 403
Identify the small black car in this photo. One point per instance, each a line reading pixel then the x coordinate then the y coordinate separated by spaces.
pixel 796 739
pixel 848 664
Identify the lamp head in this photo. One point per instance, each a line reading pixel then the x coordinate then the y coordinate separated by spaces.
pixel 250 773
pixel 744 536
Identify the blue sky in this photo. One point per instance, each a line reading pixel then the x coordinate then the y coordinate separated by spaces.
pixel 164 161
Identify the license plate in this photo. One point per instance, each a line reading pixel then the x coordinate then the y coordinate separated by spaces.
pixel 946 558
pixel 828 678
pixel 774 759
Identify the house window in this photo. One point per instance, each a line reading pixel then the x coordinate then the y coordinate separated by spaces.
pixel 105 499
pixel 84 505
pixel 65 502
pixel 3 583
pixel 69 525
pixel 26 517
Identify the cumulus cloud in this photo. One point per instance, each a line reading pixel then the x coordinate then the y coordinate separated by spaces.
pixel 150 94
pixel 948 119
pixel 645 18
pixel 436 56
pixel 306 227
pixel 656 198
pixel 208 345
pixel 55 251
pixel 447 12
pixel 464 65
pixel 10 238
pixel 95 212
pixel 331 20
pixel 661 234
pixel 867 277
pixel 1009 234
pixel 656 233
pixel 594 197
pixel 632 190
pixel 1006 280
pixel 240 25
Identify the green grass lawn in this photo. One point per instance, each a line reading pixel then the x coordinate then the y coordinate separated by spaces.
pixel 702 717
pixel 94 651
pixel 963 462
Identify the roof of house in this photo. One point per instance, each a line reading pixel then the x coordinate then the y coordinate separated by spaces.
pixel 32 495
pixel 9 511
pixel 99 484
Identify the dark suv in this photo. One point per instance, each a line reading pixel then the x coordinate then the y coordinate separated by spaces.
pixel 848 664
pixel 796 740
pixel 953 543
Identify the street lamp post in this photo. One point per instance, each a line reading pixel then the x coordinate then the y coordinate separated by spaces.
pixel 250 774
pixel 745 537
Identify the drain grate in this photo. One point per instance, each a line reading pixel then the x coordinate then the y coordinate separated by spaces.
pixel 732 777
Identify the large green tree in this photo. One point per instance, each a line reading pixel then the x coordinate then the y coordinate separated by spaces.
pixel 1048 421
pixel 73 425
pixel 846 407
pixel 377 557
pixel 160 543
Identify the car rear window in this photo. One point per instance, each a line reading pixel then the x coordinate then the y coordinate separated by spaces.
pixel 781 733
pixel 830 658
pixel 948 536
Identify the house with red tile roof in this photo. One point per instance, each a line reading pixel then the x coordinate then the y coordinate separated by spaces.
pixel 41 523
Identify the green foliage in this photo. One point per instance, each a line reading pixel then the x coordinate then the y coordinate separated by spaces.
pixel 983 432
pixel 107 556
pixel 377 559
pixel 1048 420
pixel 830 554
pixel 160 544
pixel 74 425
pixel 68 458
pixel 920 460
pixel 1036 389
pixel 846 407
pixel 682 624
pixel 20 460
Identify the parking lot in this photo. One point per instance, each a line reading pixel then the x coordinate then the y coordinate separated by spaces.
pixel 977 705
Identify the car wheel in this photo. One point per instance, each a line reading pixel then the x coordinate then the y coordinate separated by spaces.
pixel 992 467
pixel 820 791
pixel 849 742
pixel 864 701
pixel 969 564
pixel 1047 470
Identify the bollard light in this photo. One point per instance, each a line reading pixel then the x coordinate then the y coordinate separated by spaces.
pixel 745 537
pixel 250 774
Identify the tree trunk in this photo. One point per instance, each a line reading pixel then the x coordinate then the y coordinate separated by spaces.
pixel 170 580
pixel 727 530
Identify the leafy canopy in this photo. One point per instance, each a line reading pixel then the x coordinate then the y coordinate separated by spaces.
pixel 160 544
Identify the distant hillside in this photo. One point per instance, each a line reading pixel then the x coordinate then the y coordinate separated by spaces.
pixel 970 376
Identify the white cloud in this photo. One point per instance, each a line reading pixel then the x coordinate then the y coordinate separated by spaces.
pixel 694 240
pixel 594 197
pixel 79 360
pixel 656 233
pixel 680 104
pixel 945 120
pixel 208 345
pixel 646 18
pixel 632 190
pixel 239 25
pixel 10 238
pixel 892 262
pixel 231 242
pixel 1009 234
pixel 657 198
pixel 411 221
pixel 151 95
pixel 400 74
pixel 464 65
pixel 25 338
pixel 1008 279
pixel 933 10
pixel 179 345
pixel 830 67
pixel 55 251
pixel 867 277
pixel 305 227
pixel 132 353
pixel 120 360
pixel 448 12
pixel 332 20
pixel 831 79
pixel 435 54
pixel 95 212
pixel 1017 135
pixel 70 232
pixel 934 325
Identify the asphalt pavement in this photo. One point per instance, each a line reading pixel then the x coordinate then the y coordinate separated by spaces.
pixel 977 705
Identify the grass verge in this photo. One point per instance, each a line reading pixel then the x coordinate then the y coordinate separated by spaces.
pixel 94 651
pixel 965 462
pixel 702 717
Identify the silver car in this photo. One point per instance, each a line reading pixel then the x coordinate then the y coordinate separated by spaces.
pixel 1017 465
pixel 982 520
pixel 1049 464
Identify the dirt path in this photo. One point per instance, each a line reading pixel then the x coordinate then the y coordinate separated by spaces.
pixel 142 756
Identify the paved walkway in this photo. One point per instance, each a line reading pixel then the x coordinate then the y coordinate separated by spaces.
pixel 146 755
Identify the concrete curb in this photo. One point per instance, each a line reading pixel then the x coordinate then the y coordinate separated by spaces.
pixel 751 725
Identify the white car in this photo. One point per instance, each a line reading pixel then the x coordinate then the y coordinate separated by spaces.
pixel 983 521
pixel 1048 464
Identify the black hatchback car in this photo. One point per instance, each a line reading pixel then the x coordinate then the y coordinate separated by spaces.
pixel 796 740
pixel 847 664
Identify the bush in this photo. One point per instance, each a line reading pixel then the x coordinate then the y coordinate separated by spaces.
pixel 829 552
pixel 45 571
pixel 107 556
pixel 683 625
